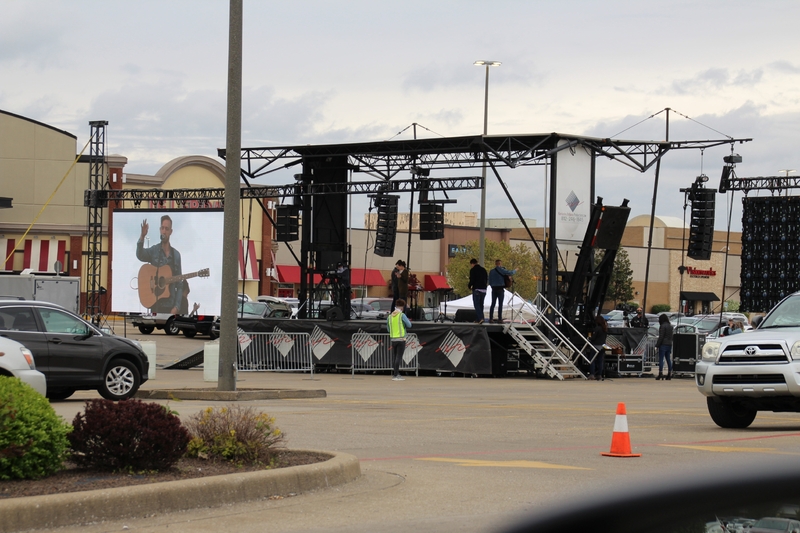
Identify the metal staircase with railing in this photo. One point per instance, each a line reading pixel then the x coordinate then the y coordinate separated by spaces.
pixel 551 351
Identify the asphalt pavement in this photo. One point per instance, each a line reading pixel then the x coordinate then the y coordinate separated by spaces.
pixel 469 454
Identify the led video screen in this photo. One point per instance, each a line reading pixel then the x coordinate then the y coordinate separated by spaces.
pixel 177 266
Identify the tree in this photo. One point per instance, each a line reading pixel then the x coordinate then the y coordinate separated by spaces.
pixel 519 258
pixel 620 288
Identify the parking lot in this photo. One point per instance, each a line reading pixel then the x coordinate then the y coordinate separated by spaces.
pixel 444 454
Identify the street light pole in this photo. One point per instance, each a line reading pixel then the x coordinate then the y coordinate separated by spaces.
pixel 482 238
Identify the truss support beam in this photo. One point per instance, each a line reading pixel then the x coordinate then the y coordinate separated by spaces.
pixel 94 231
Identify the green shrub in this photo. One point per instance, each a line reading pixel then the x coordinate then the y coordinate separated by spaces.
pixel 660 308
pixel 33 438
pixel 234 433
pixel 130 435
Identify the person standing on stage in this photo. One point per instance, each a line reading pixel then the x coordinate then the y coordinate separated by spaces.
pixel 478 279
pixel 497 282
pixel 159 255
pixel 398 323
pixel 399 282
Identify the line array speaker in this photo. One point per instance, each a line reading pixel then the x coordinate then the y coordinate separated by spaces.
pixel 770 251
pixel 701 229
pixel 287 223
pixel 431 222
pixel 386 230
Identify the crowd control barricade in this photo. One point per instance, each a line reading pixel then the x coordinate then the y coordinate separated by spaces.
pixel 275 352
pixel 373 352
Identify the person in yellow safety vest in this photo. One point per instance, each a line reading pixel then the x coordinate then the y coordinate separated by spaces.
pixel 397 323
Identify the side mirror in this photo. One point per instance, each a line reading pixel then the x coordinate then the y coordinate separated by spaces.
pixel 757 320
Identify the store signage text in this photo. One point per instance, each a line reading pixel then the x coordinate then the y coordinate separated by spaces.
pixel 700 273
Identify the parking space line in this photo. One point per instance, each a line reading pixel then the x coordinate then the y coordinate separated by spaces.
pixel 502 464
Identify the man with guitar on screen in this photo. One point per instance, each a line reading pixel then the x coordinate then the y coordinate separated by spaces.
pixel 164 293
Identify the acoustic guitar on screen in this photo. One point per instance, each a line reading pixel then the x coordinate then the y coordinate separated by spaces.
pixel 154 282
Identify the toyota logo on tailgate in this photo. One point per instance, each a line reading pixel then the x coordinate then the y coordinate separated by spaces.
pixel 751 350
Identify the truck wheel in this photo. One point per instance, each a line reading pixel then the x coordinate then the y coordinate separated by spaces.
pixel 121 380
pixel 730 415
pixel 170 328
pixel 189 333
pixel 146 330
pixel 212 335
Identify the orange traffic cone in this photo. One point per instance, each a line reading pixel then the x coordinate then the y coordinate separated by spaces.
pixel 621 440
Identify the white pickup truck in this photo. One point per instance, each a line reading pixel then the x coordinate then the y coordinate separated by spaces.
pixel 758 370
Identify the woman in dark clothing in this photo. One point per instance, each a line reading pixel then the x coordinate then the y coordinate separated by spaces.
pixel 599 334
pixel 664 345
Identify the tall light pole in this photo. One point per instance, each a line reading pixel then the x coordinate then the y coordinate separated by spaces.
pixel 482 239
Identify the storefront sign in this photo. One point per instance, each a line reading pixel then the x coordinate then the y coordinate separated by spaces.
pixel 700 273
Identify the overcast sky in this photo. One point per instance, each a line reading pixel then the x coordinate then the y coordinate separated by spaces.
pixel 328 72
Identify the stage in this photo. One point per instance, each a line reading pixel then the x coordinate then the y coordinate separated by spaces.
pixel 465 348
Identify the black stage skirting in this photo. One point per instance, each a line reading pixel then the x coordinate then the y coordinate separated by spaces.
pixel 449 347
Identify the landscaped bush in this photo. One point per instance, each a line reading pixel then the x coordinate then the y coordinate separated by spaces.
pixel 234 433
pixel 660 308
pixel 33 438
pixel 130 435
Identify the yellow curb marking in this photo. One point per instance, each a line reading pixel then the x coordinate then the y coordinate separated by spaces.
pixel 724 449
pixel 504 464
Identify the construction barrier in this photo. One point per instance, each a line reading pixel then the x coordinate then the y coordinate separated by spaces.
pixel 275 352
pixel 373 352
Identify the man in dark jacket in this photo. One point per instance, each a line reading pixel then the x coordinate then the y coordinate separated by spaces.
pixel 497 282
pixel 478 279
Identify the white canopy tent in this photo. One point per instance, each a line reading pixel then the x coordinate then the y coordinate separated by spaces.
pixel 513 305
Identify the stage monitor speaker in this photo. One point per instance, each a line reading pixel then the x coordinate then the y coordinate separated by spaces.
pixel 612 226
pixel 431 222
pixel 701 229
pixel 465 315
pixel 287 223
pixel 334 314
pixel 386 227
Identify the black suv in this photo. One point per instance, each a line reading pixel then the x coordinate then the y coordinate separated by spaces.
pixel 72 353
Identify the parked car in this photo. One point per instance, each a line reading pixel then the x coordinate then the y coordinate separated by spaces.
pixel 366 312
pixel 753 371
pixel 272 308
pixel 382 305
pixel 17 361
pixel 147 323
pixel 72 353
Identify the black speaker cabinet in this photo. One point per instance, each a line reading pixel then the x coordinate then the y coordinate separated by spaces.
pixel 465 315
pixel 334 314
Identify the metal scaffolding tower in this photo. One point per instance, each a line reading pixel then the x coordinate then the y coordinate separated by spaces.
pixel 94 232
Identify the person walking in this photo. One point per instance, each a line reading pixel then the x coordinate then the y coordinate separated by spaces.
pixel 398 323
pixel 478 279
pixel 399 282
pixel 664 346
pixel 599 336
pixel 497 281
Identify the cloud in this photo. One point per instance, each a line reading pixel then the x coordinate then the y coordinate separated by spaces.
pixel 715 79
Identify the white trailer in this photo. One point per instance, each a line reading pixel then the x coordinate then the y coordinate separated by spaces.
pixel 62 290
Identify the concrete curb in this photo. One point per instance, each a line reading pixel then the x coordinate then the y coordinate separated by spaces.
pixel 38 512
pixel 214 395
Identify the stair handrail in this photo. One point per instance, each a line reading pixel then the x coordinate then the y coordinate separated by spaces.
pixel 542 307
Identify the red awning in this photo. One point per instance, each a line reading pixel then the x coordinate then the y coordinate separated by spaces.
pixel 370 277
pixel 436 283
pixel 291 274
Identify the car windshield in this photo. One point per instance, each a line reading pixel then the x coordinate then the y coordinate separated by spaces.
pixel 252 308
pixel 785 315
